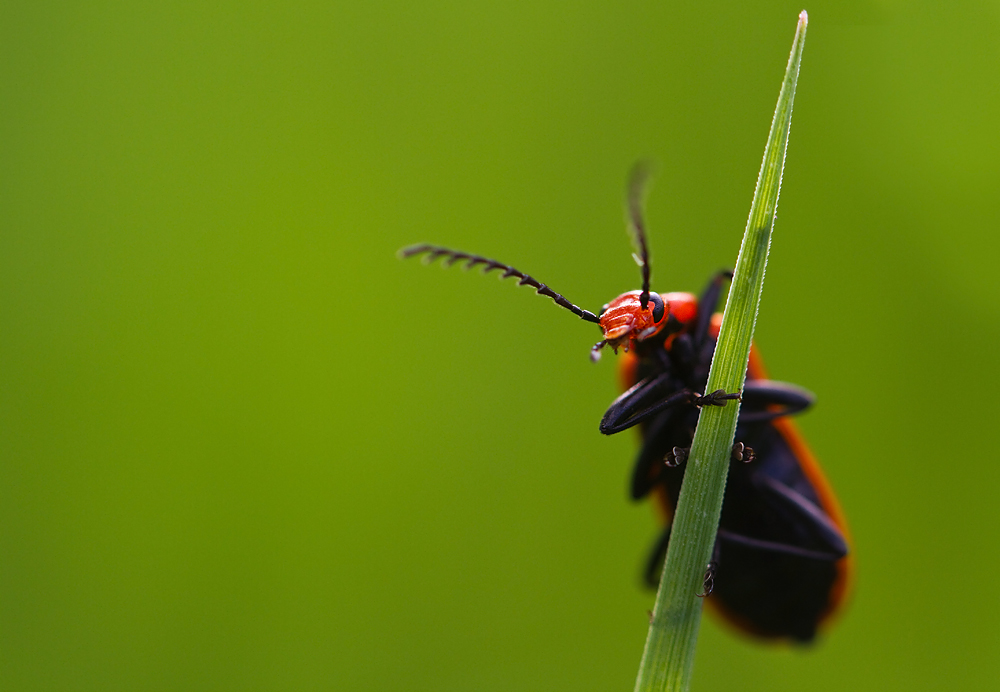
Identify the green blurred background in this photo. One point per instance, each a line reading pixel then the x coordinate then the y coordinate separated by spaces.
pixel 242 446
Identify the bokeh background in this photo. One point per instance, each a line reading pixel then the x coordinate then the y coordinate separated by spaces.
pixel 242 446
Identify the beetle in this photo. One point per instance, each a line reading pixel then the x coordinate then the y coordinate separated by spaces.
pixel 780 566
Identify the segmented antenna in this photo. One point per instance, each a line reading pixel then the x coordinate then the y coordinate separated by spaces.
pixel 453 256
pixel 638 182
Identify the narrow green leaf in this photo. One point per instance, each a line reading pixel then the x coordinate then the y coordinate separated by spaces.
pixel 668 658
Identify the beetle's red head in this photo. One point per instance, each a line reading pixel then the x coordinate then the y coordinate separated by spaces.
pixel 624 318
pixel 624 321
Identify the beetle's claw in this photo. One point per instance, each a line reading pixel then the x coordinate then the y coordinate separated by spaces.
pixel 676 456
pixel 743 453
pixel 709 583
pixel 717 398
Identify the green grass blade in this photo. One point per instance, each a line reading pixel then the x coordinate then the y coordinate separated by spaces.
pixel 668 658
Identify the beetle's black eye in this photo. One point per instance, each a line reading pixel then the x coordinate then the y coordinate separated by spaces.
pixel 604 309
pixel 658 308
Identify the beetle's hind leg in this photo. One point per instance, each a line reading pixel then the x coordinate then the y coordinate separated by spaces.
pixel 654 565
pixel 708 582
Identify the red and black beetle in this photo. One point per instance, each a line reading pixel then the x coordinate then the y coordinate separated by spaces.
pixel 780 566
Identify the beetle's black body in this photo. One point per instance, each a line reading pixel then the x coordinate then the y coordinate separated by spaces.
pixel 780 564
pixel 780 558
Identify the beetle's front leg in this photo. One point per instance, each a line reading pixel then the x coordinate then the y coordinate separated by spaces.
pixel 717 398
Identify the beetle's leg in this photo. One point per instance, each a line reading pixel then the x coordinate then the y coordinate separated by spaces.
pixel 706 305
pixel 641 401
pixel 825 541
pixel 676 456
pixel 777 547
pixel 765 400
pixel 805 512
pixel 658 438
pixel 595 351
pixel 742 453
pixel 708 583
pixel 656 453
pixel 654 565
pixel 717 398
pixel 681 355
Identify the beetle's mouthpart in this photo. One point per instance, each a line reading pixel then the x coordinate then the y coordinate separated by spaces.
pixel 595 351
pixel 624 342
